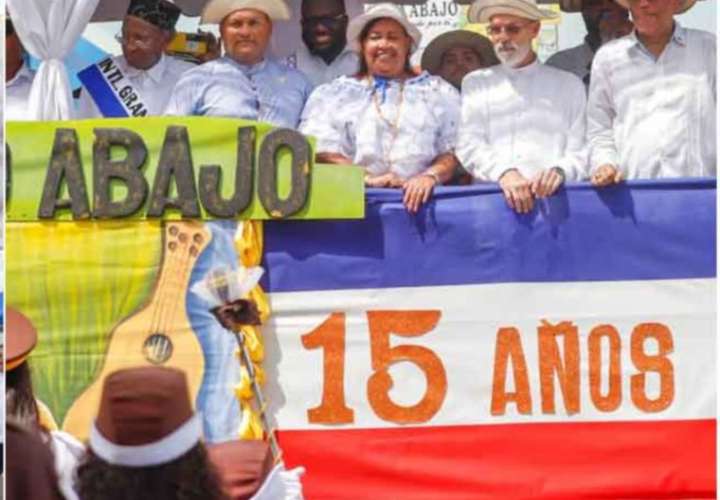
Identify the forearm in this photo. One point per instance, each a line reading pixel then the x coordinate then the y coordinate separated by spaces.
pixel 443 166
pixel 332 158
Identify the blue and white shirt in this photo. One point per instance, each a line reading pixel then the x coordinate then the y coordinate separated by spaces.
pixel 357 118
pixel 266 91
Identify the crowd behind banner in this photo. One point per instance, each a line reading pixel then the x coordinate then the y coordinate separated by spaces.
pixel 635 100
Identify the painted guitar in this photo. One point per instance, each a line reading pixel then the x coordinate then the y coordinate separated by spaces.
pixel 159 333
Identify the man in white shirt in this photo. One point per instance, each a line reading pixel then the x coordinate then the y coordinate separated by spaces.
pixel 652 103
pixel 604 20
pixel 324 55
pixel 523 123
pixel 18 76
pixel 137 83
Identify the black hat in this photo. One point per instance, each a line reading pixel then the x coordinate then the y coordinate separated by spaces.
pixel 160 13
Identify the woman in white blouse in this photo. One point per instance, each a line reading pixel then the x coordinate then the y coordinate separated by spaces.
pixel 398 125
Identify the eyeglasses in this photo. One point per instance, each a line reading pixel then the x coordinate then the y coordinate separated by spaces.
pixel 510 29
pixel 139 42
pixel 327 21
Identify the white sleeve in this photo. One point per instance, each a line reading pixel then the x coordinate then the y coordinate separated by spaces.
pixel 473 147
pixel 183 98
pixel 601 116
pixel 317 121
pixel 448 112
pixel 575 157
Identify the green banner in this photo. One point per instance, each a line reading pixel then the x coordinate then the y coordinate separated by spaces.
pixel 171 168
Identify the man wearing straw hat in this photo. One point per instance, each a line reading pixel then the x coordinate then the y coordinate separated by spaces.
pixel 523 123
pixel 244 83
pixel 604 21
pixel 456 53
pixel 138 82
pixel 651 107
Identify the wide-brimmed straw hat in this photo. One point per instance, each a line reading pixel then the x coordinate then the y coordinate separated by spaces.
pixel 378 11
pixel 217 10
pixel 482 10
pixel 685 5
pixel 21 337
pixel 433 54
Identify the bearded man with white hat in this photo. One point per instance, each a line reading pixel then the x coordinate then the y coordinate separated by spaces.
pixel 652 102
pixel 523 123
pixel 244 83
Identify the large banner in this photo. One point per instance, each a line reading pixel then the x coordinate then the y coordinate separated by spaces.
pixel 469 352
pixel 463 352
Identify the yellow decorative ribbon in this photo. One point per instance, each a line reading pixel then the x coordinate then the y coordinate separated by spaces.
pixel 249 246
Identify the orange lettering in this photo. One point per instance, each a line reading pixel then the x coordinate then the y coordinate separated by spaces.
pixel 567 369
pixel 330 336
pixel 659 363
pixel 509 348
pixel 612 400
pixel 407 324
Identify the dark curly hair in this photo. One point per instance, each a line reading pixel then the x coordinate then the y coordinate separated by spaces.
pixel 190 477
pixel 19 398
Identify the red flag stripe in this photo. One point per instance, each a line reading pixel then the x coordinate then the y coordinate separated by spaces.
pixel 653 460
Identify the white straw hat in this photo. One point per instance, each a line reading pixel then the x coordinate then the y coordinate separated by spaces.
pixel 683 6
pixel 216 10
pixel 378 11
pixel 482 10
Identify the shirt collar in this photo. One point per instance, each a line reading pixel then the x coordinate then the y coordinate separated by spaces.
pixel 24 73
pixel 679 36
pixel 525 70
pixel 247 69
pixel 155 72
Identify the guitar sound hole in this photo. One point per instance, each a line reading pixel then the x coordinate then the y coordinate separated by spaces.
pixel 158 348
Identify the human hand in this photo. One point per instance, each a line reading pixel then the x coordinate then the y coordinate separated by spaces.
pixel 516 189
pixel 546 182
pixel 388 180
pixel 605 175
pixel 236 314
pixel 417 191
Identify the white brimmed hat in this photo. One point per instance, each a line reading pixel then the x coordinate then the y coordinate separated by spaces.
pixel 433 54
pixel 482 10
pixel 378 11
pixel 685 5
pixel 216 10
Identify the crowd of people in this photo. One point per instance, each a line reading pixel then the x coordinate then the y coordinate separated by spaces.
pixel 146 442
pixel 635 100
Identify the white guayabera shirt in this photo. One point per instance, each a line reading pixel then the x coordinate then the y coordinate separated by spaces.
pixel 530 118
pixel 399 128
pixel 655 118
pixel 153 84
pixel 17 95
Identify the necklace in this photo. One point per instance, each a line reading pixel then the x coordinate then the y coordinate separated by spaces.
pixel 392 125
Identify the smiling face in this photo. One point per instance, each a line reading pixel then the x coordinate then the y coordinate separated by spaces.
pixel 386 48
pixel 142 43
pixel 324 24
pixel 245 34
pixel 457 62
pixel 654 18
pixel 512 38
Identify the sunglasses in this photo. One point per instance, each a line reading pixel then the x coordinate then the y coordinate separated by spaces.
pixel 510 29
pixel 326 21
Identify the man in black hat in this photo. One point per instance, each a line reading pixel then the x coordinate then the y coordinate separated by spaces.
pixel 604 20
pixel 139 82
